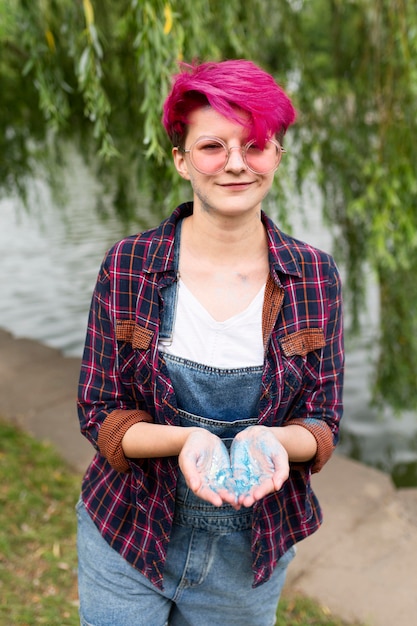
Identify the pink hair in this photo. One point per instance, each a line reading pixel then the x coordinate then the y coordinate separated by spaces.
pixel 227 86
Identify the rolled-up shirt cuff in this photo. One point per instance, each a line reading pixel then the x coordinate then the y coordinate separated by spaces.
pixel 111 434
pixel 324 438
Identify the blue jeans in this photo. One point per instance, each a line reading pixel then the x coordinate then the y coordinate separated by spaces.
pixel 197 582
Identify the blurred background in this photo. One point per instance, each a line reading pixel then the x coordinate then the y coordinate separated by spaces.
pixel 84 161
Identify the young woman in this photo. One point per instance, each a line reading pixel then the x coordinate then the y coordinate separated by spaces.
pixel 211 382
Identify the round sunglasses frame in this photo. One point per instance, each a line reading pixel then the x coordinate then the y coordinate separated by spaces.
pixel 243 151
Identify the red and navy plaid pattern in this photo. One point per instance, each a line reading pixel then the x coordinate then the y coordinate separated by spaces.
pixel 123 373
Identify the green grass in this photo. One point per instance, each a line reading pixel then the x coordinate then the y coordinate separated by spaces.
pixel 300 611
pixel 38 493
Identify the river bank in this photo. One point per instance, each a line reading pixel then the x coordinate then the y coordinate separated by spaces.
pixel 361 564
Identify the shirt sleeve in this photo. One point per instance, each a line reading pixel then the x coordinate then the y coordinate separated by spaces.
pixel 107 407
pixel 322 407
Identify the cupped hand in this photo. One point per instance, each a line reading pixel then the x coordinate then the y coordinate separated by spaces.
pixel 205 464
pixel 259 464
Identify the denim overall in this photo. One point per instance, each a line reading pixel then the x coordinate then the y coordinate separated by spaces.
pixel 223 401
pixel 217 540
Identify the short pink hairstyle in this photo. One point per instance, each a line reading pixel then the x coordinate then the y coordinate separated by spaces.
pixel 227 86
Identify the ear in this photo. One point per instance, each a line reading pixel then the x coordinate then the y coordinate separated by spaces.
pixel 180 163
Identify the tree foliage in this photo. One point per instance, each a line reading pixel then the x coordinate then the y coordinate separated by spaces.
pixel 97 73
pixel 358 95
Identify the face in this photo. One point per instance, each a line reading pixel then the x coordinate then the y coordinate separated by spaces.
pixel 233 191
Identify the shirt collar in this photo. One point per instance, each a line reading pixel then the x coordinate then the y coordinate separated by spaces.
pixel 161 250
pixel 283 257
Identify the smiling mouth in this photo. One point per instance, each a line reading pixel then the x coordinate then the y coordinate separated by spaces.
pixel 237 184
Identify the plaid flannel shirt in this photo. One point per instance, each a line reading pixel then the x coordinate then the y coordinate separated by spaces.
pixel 124 380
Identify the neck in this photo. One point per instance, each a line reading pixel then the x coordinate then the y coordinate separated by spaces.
pixel 223 239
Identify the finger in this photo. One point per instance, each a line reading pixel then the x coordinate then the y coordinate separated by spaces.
pixel 247 499
pixel 228 497
pixel 279 478
pixel 207 494
pixel 257 492
pixel 188 466
pixel 194 482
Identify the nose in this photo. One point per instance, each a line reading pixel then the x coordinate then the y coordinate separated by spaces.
pixel 235 160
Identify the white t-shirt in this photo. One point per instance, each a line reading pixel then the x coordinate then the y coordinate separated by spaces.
pixel 237 342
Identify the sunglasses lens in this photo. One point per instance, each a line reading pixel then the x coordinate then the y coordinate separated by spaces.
pixel 209 155
pixel 265 160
